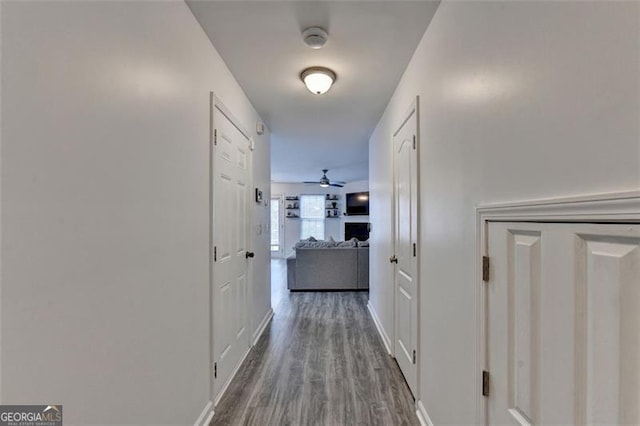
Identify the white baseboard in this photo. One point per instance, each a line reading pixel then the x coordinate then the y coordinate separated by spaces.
pixel 205 417
pixel 231 376
pixel 421 412
pixel 256 336
pixel 263 325
pixel 383 334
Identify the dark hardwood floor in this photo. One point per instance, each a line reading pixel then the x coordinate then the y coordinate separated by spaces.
pixel 320 362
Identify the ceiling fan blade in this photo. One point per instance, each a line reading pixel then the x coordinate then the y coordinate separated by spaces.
pixel 337 185
pixel 312 182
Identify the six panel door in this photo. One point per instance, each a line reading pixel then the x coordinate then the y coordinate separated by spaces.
pixel 563 323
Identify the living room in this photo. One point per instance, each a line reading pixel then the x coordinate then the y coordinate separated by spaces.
pixel 286 225
pixel 322 230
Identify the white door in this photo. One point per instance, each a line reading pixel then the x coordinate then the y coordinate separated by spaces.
pixel 405 249
pixel 231 193
pixel 563 323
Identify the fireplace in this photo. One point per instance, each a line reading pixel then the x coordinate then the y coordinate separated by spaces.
pixel 356 230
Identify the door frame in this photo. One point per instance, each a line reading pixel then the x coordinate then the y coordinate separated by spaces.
pixel 412 110
pixel 280 253
pixel 216 103
pixel 615 207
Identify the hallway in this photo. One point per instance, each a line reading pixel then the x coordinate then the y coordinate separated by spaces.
pixel 320 362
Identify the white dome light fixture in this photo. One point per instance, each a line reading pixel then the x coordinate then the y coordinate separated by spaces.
pixel 318 79
pixel 315 37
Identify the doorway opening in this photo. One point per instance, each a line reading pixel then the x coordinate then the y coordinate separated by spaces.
pixel 277 227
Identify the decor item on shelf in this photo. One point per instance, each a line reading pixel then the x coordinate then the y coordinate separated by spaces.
pixel 318 79
pixel 325 182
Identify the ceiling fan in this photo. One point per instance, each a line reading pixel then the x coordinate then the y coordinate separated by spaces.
pixel 325 182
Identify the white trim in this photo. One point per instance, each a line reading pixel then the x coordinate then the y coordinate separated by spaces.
pixel 380 328
pixel 423 417
pixel 227 113
pixel 224 388
pixel 613 207
pixel 216 103
pixel 205 417
pixel 414 110
pixel 212 162
pixel 262 327
pixel 609 207
pixel 257 335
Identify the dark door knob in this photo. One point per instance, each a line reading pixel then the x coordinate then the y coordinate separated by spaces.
pixel 249 254
pixel 393 259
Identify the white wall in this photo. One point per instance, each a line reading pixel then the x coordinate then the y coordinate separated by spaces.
pixel 105 207
pixel 518 101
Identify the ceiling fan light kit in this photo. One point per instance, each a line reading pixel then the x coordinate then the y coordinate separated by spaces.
pixel 324 181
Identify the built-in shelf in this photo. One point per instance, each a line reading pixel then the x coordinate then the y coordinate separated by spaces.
pixel 293 200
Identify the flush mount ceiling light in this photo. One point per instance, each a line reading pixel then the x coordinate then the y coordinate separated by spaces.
pixel 318 79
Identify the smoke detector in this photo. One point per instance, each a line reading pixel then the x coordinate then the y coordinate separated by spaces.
pixel 315 37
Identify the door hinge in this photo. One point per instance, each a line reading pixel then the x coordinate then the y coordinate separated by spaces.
pixel 215 370
pixel 215 254
pixel 414 141
pixel 414 250
pixel 215 136
pixel 485 268
pixel 485 383
pixel 414 356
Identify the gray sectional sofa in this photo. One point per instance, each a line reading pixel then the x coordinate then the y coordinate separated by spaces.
pixel 332 266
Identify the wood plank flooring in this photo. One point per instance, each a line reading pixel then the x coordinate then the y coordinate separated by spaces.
pixel 320 362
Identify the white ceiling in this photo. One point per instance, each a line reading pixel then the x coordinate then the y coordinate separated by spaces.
pixel 370 44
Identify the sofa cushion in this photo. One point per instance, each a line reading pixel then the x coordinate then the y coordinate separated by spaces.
pixel 348 244
pixel 314 244
pixel 363 243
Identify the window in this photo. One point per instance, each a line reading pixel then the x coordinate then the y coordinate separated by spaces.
pixel 312 216
pixel 275 224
